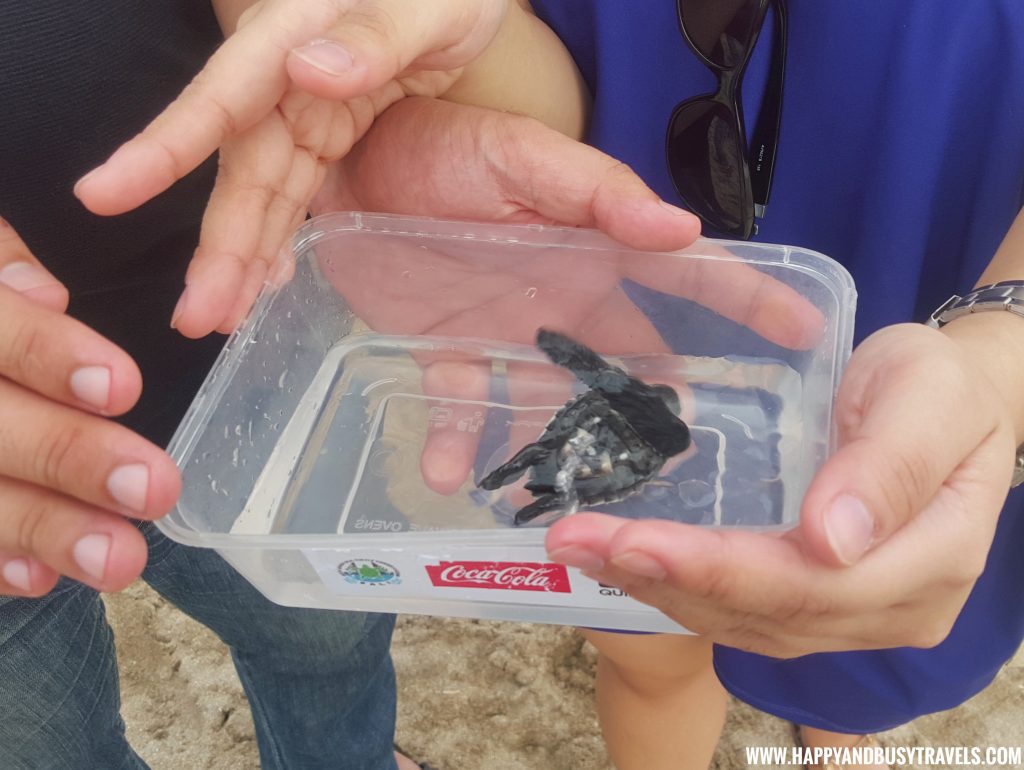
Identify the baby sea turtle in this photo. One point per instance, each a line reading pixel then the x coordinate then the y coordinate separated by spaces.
pixel 603 445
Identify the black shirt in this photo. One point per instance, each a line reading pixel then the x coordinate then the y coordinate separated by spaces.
pixel 77 78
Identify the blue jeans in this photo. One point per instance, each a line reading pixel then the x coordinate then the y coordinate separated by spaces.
pixel 320 683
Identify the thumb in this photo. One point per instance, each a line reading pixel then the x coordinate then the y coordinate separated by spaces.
pixel 908 419
pixel 21 271
pixel 374 42
pixel 573 183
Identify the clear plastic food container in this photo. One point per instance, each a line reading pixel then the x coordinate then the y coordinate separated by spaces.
pixel 335 452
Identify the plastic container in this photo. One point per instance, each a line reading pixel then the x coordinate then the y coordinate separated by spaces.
pixel 332 454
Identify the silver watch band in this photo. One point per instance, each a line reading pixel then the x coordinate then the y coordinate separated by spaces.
pixel 1005 295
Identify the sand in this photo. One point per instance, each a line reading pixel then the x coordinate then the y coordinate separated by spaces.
pixel 472 696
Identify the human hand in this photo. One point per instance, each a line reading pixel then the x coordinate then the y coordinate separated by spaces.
pixel 895 527
pixel 425 156
pixel 68 475
pixel 296 85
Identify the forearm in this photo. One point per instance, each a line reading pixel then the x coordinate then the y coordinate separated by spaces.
pixel 994 341
pixel 527 70
pixel 1008 263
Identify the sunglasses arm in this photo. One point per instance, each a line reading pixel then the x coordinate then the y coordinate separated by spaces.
pixel 766 133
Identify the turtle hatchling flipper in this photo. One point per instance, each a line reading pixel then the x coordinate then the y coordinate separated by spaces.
pixel 540 506
pixel 524 459
pixel 592 370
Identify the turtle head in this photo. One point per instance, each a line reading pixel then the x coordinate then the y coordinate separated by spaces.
pixel 653 412
pixel 668 394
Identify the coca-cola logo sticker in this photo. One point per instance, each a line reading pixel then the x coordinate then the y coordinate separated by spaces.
pixel 506 575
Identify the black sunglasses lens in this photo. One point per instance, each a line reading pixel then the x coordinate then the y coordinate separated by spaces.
pixel 721 30
pixel 706 159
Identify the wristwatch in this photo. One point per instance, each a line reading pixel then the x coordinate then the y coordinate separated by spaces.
pixel 1005 295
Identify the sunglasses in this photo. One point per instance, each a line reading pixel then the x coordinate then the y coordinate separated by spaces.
pixel 717 176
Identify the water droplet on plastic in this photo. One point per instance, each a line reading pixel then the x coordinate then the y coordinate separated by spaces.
pixel 378 462
pixel 695 493
pixel 655 492
pixel 531 292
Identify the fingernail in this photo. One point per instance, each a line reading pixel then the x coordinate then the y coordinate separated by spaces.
pixel 849 528
pixel 804 334
pixel 640 564
pixel 83 180
pixel 674 210
pixel 4 224
pixel 90 553
pixel 129 485
pixel 578 557
pixel 179 308
pixel 91 384
pixel 327 56
pixel 24 276
pixel 16 573
pixel 120 155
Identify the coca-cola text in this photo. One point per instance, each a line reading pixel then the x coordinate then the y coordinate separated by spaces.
pixel 510 576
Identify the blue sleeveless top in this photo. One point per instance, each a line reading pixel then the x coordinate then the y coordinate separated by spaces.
pixel 901 156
